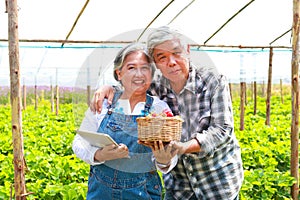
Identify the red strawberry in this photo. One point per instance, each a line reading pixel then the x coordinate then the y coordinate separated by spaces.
pixel 154 115
pixel 169 113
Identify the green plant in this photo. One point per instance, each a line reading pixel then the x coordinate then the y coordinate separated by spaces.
pixel 54 172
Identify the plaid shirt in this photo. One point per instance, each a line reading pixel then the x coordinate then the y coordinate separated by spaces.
pixel 204 104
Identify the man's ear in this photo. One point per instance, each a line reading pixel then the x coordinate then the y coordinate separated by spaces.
pixel 188 48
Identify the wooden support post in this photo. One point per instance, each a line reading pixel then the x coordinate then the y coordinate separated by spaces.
pixel 230 90
pixel 269 89
pixel 295 100
pixel 88 95
pixel 281 91
pixel 255 98
pixel 57 100
pixel 263 89
pixel 242 105
pixel 88 85
pixel 51 95
pixel 251 90
pixel 24 97
pixel 35 97
pixel 52 98
pixel 57 93
pixel 16 111
pixel 245 94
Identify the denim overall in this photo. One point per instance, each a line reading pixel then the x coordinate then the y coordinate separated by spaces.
pixel 127 178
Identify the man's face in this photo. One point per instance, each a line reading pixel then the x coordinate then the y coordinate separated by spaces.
pixel 172 60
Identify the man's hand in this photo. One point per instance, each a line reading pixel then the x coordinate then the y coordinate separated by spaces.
pixel 190 146
pixel 105 91
pixel 111 152
pixel 162 153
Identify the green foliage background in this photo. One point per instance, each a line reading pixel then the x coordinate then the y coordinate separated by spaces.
pixel 54 172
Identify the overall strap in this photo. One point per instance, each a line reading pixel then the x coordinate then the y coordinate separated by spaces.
pixel 148 104
pixel 114 101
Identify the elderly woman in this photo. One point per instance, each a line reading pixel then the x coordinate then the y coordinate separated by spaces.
pixel 125 171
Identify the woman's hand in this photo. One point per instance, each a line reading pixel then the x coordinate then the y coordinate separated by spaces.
pixel 111 152
pixel 105 91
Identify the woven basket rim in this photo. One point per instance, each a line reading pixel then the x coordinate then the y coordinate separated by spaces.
pixel 160 118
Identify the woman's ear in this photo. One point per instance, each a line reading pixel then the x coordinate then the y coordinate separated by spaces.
pixel 118 73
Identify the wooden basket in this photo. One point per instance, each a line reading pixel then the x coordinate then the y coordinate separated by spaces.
pixel 159 128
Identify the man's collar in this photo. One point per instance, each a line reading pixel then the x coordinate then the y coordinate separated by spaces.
pixel 190 84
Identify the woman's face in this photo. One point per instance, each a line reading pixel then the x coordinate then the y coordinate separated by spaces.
pixel 135 74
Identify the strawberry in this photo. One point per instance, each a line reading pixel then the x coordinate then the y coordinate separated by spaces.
pixel 154 115
pixel 169 113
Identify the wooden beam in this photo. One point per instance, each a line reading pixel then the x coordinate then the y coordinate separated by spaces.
pixel 154 19
pixel 181 11
pixel 245 6
pixel 74 24
pixel 280 36
pixel 127 42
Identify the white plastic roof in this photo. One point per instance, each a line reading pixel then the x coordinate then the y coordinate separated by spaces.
pixel 260 23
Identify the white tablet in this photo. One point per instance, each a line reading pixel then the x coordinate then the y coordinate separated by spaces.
pixel 96 139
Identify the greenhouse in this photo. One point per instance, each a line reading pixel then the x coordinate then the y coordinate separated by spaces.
pixel 55 54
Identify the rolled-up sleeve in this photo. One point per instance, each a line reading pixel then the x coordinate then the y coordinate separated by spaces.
pixel 221 125
pixel 80 146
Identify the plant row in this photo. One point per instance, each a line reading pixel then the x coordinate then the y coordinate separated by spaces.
pixel 54 172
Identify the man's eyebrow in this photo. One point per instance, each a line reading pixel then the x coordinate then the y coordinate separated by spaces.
pixel 177 48
pixel 158 54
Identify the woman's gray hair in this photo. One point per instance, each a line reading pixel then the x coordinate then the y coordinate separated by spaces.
pixel 125 51
pixel 163 34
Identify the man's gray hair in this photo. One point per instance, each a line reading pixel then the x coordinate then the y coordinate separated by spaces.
pixel 163 34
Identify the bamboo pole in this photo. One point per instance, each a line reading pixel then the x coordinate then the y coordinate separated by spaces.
pixel 16 112
pixel 57 94
pixel 74 24
pixel 88 95
pixel 263 89
pixel 246 101
pixel 88 86
pixel 35 97
pixel 24 96
pixel 154 19
pixel 57 100
pixel 242 105
pixel 242 93
pixel 219 29
pixel 251 90
pixel 295 100
pixel 254 84
pixel 269 88
pixel 230 90
pixel 52 97
pixel 281 91
pixel 128 42
pixel 255 97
